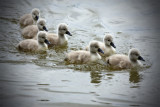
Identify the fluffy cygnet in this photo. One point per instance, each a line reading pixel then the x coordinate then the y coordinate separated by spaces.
pixel 35 45
pixel 30 19
pixel 120 61
pixel 82 56
pixel 60 38
pixel 107 46
pixel 31 31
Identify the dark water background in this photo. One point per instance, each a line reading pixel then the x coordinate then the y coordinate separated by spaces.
pixel 43 80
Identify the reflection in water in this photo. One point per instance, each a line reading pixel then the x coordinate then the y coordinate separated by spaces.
pixel 95 76
pixel 134 76
pixel 60 49
pixel 42 56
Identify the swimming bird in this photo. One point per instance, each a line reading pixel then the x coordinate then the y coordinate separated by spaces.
pixel 121 61
pixel 83 57
pixel 35 45
pixel 59 39
pixel 30 19
pixel 31 31
pixel 107 46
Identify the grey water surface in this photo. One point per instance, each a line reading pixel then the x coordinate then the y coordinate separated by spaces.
pixel 44 80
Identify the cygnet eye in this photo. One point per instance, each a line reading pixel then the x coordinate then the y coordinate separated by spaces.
pixel 96 46
pixel 136 54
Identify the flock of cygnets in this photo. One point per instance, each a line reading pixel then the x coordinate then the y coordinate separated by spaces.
pixel 37 38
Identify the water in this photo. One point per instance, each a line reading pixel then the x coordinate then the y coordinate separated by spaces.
pixel 40 80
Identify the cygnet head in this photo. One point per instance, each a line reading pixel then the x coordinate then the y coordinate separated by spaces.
pixel 134 55
pixel 41 23
pixel 35 14
pixel 94 47
pixel 108 40
pixel 42 37
pixel 63 29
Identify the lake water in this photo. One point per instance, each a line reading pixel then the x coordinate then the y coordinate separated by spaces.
pixel 43 80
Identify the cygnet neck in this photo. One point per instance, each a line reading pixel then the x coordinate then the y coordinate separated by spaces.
pixel 132 60
pixel 106 45
pixel 41 43
pixel 60 35
pixel 93 53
